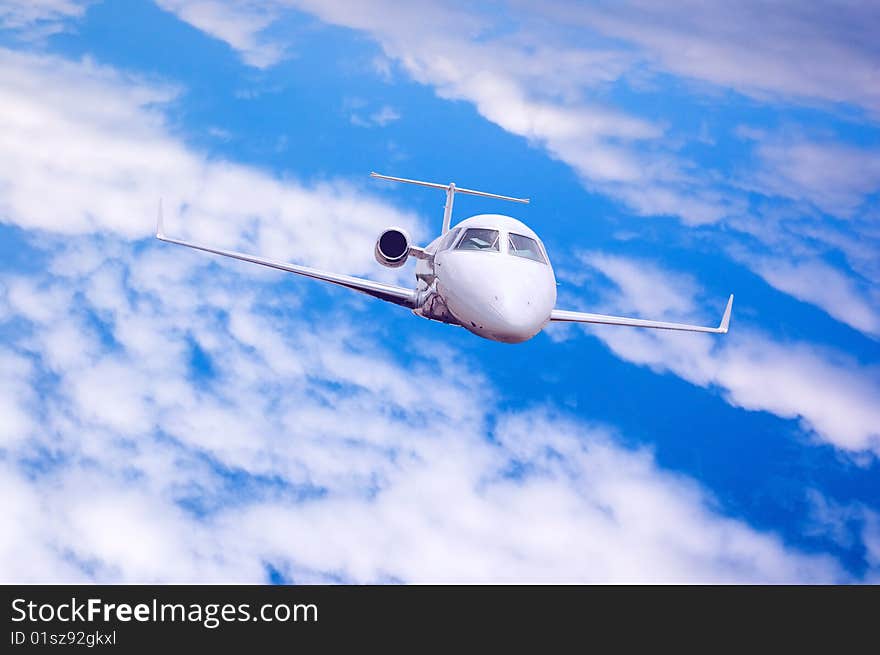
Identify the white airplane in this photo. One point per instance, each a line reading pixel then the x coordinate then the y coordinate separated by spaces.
pixel 489 274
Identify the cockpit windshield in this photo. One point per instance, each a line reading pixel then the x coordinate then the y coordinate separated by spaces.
pixel 527 247
pixel 479 239
pixel 447 241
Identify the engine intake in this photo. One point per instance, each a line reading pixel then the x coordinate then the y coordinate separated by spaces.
pixel 392 247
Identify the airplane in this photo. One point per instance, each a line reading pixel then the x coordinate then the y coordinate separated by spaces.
pixel 489 274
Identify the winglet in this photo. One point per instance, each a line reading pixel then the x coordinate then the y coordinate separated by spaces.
pixel 160 226
pixel 725 320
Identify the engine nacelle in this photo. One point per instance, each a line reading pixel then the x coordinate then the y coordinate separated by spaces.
pixel 392 247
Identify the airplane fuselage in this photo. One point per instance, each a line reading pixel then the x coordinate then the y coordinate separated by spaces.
pixel 490 274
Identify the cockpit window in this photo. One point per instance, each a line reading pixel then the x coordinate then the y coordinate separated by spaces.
pixel 524 247
pixel 448 239
pixel 479 239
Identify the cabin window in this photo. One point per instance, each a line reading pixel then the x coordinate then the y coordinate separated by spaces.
pixel 527 247
pixel 479 239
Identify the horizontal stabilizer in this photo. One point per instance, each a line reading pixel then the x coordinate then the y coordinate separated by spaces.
pixel 446 187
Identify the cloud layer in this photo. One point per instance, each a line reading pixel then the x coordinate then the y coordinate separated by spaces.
pixel 94 137
pixel 832 394
pixel 171 418
pixel 310 451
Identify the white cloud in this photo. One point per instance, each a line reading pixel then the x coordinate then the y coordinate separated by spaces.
pixel 39 18
pixel 546 92
pixel 85 149
pixel 652 289
pixel 871 539
pixel 825 51
pixel 587 511
pixel 836 178
pixel 847 524
pixel 239 24
pixel 535 83
pixel 527 85
pixel 831 393
pixel 17 398
pixel 381 117
pixel 827 287
pixel 829 263
pixel 343 470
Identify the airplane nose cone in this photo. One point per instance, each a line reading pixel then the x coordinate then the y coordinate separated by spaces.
pixel 498 296
pixel 515 315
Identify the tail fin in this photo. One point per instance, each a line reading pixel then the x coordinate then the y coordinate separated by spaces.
pixel 451 190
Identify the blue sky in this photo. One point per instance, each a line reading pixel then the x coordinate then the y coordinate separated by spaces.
pixel 170 417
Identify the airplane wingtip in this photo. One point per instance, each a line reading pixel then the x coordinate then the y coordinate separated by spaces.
pixel 725 320
pixel 160 223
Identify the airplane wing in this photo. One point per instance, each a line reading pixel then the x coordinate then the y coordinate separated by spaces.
pixel 582 317
pixel 387 292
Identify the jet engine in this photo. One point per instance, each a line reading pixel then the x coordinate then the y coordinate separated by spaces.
pixel 392 247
